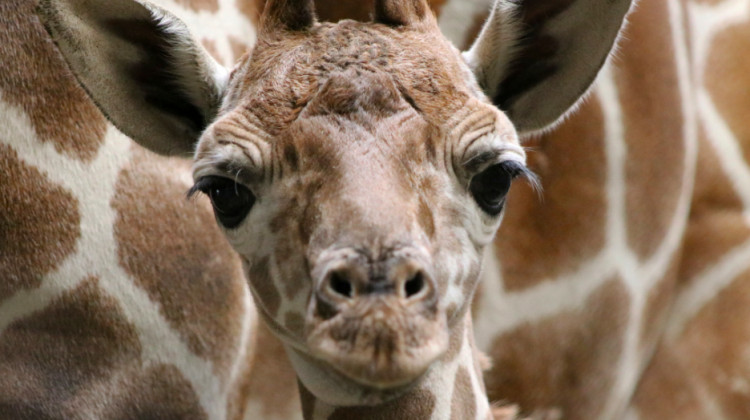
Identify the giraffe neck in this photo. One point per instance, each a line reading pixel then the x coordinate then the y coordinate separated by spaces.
pixel 452 389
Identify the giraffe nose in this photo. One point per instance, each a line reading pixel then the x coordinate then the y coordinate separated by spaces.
pixel 401 278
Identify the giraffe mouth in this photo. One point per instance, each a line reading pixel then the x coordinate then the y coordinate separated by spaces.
pixel 380 343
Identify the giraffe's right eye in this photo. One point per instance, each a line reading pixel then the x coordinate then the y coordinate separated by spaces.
pixel 231 201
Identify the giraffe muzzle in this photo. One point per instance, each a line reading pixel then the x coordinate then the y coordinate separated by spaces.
pixel 378 323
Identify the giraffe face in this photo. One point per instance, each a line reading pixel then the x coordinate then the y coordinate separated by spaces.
pixel 359 172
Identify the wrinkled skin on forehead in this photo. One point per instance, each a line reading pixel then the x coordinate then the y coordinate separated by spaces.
pixel 356 136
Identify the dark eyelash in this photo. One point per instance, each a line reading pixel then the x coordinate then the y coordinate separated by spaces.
pixel 202 185
pixel 518 170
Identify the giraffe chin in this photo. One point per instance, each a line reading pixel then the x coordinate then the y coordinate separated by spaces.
pixel 381 346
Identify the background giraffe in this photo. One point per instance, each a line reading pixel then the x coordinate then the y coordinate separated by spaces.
pixel 112 302
pixel 702 232
pixel 638 308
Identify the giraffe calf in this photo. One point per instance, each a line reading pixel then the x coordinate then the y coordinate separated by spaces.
pixel 358 169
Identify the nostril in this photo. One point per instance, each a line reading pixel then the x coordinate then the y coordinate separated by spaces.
pixel 340 285
pixel 414 285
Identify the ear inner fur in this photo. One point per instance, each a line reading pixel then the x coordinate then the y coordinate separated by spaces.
pixel 141 67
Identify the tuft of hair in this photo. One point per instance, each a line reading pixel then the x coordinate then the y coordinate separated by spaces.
pixel 500 38
pixel 181 54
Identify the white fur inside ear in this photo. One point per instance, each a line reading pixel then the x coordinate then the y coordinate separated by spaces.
pixel 141 67
pixel 491 54
pixel 536 60
pixel 205 83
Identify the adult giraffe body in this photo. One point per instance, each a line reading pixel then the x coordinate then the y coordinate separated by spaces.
pixel 111 306
pixel 623 293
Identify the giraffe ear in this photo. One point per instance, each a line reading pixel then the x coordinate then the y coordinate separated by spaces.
pixel 536 58
pixel 141 67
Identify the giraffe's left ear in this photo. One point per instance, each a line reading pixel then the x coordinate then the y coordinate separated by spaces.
pixel 142 68
pixel 536 58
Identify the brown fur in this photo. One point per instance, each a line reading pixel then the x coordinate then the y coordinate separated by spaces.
pixel 417 405
pixel 80 356
pixel 35 350
pixel 647 78
pixel 31 248
pixel 586 344
pixel 152 258
pixel 463 392
pixel 536 244
pixel 63 117
pixel 725 75
pixel 570 162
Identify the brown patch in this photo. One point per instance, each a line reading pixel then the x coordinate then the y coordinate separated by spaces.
pixel 646 76
pixel 568 361
pixel 336 10
pixel 36 79
pixel 708 362
pixel 715 343
pixel 665 390
pixel 53 354
pixel 159 392
pixel 39 225
pixel 463 401
pixel 455 342
pixel 175 252
pixel 716 223
pixel 200 5
pixel 332 10
pixel 414 405
pixel 272 378
pixel 727 81
pixel 572 165
pixel 426 218
pixel 210 46
pixel 239 48
pixel 251 9
pixel 308 401
pixel 260 278
pixel 295 323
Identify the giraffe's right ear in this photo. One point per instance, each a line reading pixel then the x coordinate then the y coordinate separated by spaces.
pixel 536 58
pixel 141 67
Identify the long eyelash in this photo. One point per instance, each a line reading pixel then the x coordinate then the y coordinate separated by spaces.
pixel 201 185
pixel 517 170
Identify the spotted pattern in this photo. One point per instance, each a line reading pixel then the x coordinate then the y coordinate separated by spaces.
pixel 570 162
pixel 169 250
pixel 60 112
pixel 526 370
pixel 29 246
pixel 42 369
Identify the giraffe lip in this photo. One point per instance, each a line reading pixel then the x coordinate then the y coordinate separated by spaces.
pixel 380 348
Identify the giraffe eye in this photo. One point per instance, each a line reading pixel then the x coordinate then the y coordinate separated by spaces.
pixel 491 186
pixel 231 201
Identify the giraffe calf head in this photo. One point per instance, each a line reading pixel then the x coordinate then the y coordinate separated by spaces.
pixel 359 169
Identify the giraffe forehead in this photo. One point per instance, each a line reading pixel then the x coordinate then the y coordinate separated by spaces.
pixel 390 68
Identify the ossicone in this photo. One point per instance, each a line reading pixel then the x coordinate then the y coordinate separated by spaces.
pixel 401 12
pixel 287 15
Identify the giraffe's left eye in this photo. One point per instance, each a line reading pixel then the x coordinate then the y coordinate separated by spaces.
pixel 491 186
pixel 231 201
